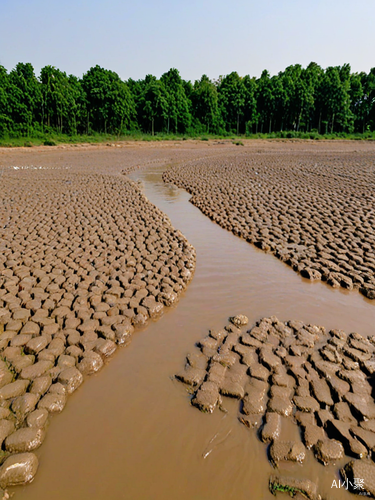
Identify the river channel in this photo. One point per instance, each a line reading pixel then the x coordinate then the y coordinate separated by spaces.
pixel 130 432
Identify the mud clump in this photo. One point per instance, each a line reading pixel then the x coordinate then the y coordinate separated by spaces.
pixel 292 486
pixel 281 374
pixel 18 469
pixel 313 212
pixel 363 470
pixel 84 260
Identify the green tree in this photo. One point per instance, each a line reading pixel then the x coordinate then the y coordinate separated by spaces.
pixel 232 93
pixel 296 95
pixel 356 99
pixel 311 77
pixel 205 102
pixel 331 100
pixel 178 105
pixel 136 88
pixel 153 102
pixel 24 97
pixel 5 121
pixel 277 103
pixel 109 103
pixel 368 105
pixel 335 99
pixel 265 98
pixel 58 99
pixel 251 115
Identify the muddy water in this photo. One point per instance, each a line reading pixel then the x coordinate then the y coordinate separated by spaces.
pixel 130 433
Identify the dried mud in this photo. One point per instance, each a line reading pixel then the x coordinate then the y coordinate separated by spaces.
pixel 314 212
pixel 323 382
pixel 84 259
pixel 68 212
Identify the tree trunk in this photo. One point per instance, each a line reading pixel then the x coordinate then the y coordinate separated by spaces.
pixel 238 123
pixel 269 130
pixel 152 125
pixel 42 116
pixel 333 119
pixel 168 126
pixel 120 129
pixel 319 123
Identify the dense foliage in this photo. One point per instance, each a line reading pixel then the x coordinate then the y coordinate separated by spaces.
pixel 298 99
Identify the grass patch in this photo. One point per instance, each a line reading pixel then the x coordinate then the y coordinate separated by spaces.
pixel 285 488
pixel 314 135
pixel 53 139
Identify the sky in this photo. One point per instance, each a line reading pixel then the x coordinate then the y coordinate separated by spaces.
pixel 212 37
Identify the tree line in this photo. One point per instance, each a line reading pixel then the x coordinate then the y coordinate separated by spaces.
pixel 297 99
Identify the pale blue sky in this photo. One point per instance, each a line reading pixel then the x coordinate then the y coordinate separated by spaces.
pixel 194 36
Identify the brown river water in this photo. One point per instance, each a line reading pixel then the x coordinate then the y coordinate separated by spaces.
pixel 130 432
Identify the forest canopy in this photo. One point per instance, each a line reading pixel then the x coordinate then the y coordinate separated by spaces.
pixel 298 99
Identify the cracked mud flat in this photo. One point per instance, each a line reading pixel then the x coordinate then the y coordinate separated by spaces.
pixel 124 432
pixel 321 381
pixel 314 212
pixel 84 260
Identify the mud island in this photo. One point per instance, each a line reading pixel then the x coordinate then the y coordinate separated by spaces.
pixel 323 381
pixel 84 260
pixel 313 211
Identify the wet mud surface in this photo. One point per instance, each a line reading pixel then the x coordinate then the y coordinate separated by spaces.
pixel 314 212
pixel 84 260
pixel 321 381
pixel 124 433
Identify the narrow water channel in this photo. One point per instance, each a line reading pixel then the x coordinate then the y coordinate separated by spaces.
pixel 130 433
